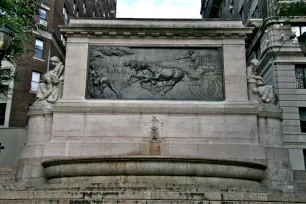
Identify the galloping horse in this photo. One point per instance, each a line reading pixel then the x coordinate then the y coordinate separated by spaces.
pixel 155 75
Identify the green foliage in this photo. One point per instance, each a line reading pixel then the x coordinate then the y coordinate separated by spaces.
pixel 293 9
pixel 19 16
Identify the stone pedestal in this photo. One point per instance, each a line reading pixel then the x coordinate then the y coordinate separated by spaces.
pixel 279 173
pixel 99 120
pixel 39 134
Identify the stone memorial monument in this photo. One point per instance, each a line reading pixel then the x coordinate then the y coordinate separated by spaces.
pixel 157 102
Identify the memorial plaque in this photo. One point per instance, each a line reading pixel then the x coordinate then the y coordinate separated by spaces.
pixel 145 73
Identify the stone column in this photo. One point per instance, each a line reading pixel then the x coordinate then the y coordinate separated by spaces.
pixel 39 133
pixel 76 69
pixel 234 72
pixel 279 173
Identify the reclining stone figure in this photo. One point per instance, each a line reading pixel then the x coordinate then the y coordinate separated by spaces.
pixel 50 88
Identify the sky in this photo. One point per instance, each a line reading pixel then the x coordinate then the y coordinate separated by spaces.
pixel 158 8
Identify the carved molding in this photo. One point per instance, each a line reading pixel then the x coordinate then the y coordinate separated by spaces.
pixel 156 28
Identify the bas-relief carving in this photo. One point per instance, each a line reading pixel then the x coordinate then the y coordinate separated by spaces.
pixel 155 120
pixel 155 73
pixel 262 92
pixel 51 84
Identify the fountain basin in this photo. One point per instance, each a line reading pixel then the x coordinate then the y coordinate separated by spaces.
pixel 61 169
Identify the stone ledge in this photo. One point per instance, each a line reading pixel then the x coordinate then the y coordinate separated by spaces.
pixel 156 107
pixel 155 28
pixel 40 108
pixel 270 114
pixel 270 111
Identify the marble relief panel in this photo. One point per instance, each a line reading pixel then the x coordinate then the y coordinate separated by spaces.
pixel 145 73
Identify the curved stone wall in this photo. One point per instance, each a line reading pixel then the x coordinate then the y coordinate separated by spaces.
pixel 175 167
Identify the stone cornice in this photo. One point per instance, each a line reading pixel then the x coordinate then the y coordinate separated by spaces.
pixel 155 28
pixel 270 21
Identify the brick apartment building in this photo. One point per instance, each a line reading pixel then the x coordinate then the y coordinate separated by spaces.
pixel 47 42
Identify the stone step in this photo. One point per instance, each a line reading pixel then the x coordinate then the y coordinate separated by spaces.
pixel 83 197
pixel 109 195
pixel 300 187
pixel 127 202
pixel 34 202
pixel 162 189
pixel 302 177
pixel 139 187
pixel 302 182
pixel 299 172
pixel 146 195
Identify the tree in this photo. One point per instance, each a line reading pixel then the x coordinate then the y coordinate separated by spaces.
pixel 18 16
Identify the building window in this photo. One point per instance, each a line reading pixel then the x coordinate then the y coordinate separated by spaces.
pixel 94 14
pixel 300 73
pixel 303 119
pixel 84 9
pixel 63 40
pixel 66 16
pixel 39 49
pixel 298 30
pixel 42 16
pixel 77 13
pixel 35 81
pixel 2 113
pixel 231 8
pixel 74 7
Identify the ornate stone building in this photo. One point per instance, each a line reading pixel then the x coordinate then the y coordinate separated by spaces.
pixel 282 63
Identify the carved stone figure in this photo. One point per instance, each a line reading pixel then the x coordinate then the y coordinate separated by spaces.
pixel 50 88
pixel 154 77
pixel 257 89
pixel 101 82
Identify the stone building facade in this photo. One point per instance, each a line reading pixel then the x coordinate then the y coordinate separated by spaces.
pixel 283 65
pixel 239 9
